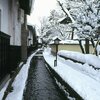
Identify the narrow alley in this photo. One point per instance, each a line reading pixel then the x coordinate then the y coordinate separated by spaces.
pixel 40 85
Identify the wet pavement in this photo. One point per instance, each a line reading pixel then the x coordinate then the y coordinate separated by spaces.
pixel 40 85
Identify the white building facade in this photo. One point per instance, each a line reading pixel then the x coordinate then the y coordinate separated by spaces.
pixel 13 33
pixel 10 12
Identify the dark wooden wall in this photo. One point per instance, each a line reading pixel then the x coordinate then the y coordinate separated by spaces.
pixel 4 54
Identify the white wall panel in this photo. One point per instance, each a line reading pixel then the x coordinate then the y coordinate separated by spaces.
pixel 9 20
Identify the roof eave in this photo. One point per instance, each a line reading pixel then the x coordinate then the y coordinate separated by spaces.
pixel 26 5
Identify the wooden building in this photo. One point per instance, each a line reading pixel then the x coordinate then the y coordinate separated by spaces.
pixel 13 34
pixel 32 42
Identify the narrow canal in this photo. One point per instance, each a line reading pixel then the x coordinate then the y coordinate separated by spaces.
pixel 40 85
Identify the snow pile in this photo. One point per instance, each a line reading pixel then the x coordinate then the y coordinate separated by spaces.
pixel 3 90
pixel 85 68
pixel 47 51
pixel 82 78
pixel 20 82
pixel 85 58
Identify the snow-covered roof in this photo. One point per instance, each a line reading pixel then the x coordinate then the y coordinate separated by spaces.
pixel 67 42
pixel 56 38
pixel 76 41
pixel 61 19
pixel 65 20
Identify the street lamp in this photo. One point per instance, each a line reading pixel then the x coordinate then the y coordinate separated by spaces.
pixel 56 42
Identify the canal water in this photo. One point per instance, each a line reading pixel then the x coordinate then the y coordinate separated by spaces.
pixel 40 85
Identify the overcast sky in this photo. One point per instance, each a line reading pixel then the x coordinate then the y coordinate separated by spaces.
pixel 41 8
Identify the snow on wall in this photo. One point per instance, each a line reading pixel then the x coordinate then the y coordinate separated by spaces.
pixel 85 58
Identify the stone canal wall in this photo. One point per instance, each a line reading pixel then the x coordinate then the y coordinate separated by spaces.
pixel 66 88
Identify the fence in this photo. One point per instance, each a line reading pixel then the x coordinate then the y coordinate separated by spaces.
pixel 4 54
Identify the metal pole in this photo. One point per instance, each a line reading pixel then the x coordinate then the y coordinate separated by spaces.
pixel 55 61
pixel 56 53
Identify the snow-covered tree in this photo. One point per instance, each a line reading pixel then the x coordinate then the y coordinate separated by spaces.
pixel 86 14
pixel 55 18
pixel 88 20
pixel 51 24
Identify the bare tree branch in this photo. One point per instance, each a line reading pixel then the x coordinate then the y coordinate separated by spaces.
pixel 62 7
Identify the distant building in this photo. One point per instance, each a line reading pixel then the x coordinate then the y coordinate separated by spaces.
pixel 65 20
pixel 31 39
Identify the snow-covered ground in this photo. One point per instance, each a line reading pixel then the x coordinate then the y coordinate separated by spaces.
pixel 85 58
pixel 3 90
pixel 19 82
pixel 84 79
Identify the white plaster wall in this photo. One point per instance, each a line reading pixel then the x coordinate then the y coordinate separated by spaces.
pixel 15 26
pixel 4 15
pixel 10 25
pixel 9 20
